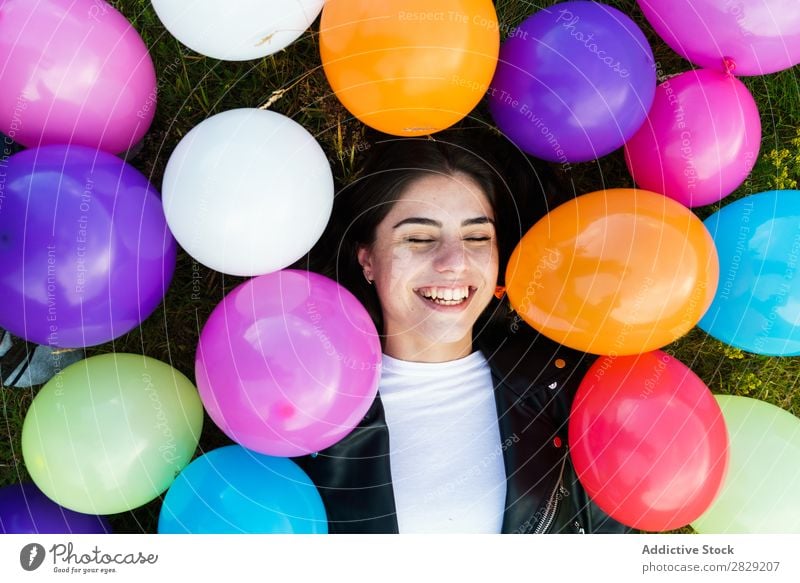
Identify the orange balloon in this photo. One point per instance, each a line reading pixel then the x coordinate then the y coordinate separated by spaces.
pixel 409 67
pixel 614 272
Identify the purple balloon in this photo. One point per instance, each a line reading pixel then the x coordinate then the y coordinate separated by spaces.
pixel 749 37
pixel 288 363
pixel 24 509
pixel 84 246
pixel 573 82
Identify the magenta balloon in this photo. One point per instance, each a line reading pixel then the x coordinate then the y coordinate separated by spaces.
pixel 73 72
pixel 288 363
pixel 84 246
pixel 700 140
pixel 759 36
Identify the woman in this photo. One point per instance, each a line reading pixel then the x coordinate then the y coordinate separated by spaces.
pixel 468 432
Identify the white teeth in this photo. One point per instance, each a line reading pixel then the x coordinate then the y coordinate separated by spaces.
pixel 444 293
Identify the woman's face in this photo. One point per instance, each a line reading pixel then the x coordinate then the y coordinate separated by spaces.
pixel 434 261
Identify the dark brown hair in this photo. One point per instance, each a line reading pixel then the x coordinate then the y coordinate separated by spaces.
pixel 515 186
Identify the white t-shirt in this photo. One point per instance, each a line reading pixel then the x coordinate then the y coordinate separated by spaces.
pixel 446 458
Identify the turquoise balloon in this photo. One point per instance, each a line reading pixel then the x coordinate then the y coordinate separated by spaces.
pixel 233 490
pixel 761 492
pixel 757 304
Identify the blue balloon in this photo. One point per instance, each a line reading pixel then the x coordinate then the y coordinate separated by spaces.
pixel 233 490
pixel 757 304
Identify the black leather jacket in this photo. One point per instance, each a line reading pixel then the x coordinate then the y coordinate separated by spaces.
pixel 535 380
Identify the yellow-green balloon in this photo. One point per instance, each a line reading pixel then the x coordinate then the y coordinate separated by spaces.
pixel 761 493
pixel 111 432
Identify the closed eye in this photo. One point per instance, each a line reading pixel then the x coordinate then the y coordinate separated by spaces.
pixel 422 241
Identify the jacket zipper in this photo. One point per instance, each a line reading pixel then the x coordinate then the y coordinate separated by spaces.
pixel 551 509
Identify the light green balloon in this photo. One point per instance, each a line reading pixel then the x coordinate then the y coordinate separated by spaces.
pixel 761 492
pixel 111 432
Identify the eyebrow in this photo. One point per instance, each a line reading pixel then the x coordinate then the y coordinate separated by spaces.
pixel 432 223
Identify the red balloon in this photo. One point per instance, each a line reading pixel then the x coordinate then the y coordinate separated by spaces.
pixel 648 440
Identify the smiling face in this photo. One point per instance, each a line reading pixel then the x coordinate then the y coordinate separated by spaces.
pixel 434 263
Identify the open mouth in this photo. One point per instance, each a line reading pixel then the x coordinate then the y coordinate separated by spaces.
pixel 446 296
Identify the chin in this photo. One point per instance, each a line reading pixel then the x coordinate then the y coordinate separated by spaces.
pixel 448 335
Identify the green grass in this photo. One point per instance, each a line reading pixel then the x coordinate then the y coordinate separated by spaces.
pixel 193 87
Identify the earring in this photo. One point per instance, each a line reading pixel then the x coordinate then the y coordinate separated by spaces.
pixel 369 281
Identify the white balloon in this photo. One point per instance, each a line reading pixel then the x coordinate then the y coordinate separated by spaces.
pixel 247 192
pixel 237 30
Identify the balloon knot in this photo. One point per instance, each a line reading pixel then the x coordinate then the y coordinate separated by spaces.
pixel 729 65
pixel 499 292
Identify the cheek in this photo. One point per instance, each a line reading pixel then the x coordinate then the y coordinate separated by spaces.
pixel 487 262
pixel 392 266
pixel 399 265
pixel 495 260
pixel 401 256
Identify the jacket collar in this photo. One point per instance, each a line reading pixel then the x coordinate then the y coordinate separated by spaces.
pixel 523 374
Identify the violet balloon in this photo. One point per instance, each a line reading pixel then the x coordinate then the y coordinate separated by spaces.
pixel 74 72
pixel 573 82
pixel 288 363
pixel 84 246
pixel 755 37
pixel 700 141
pixel 24 509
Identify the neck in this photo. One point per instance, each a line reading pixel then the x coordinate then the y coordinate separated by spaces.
pixel 415 349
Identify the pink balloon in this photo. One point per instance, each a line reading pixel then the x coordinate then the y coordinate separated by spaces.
pixel 700 140
pixel 73 72
pixel 288 363
pixel 648 440
pixel 758 36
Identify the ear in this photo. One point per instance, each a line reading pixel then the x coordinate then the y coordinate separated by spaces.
pixel 364 255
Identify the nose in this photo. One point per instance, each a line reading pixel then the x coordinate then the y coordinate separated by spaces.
pixel 450 256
